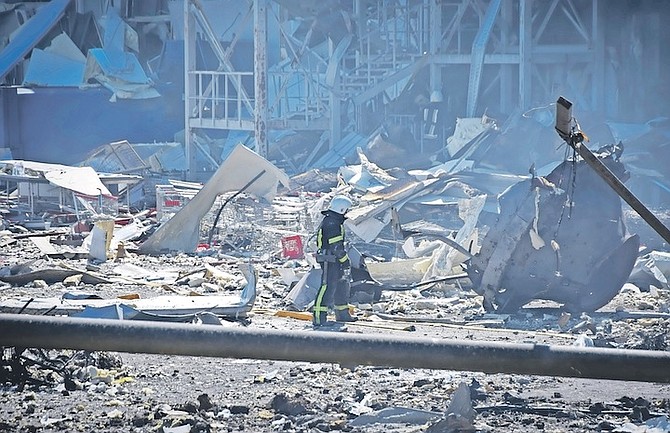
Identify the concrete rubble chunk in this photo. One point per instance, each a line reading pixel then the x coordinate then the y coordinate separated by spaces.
pixel 460 414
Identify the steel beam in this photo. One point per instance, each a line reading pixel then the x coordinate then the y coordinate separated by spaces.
pixel 189 89
pixel 618 187
pixel 30 34
pixel 435 24
pixel 575 138
pixel 478 49
pixel 389 80
pixel 332 347
pixel 598 80
pixel 261 77
pixel 525 48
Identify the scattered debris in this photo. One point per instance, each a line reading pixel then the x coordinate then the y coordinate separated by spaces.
pixel 178 308
pixel 489 234
pixel 181 232
pixel 417 238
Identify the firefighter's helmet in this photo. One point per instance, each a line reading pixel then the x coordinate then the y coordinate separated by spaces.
pixel 340 204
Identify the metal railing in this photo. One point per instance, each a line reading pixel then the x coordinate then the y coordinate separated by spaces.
pixel 294 94
pixel 216 96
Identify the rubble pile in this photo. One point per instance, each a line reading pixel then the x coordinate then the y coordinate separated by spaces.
pixel 239 251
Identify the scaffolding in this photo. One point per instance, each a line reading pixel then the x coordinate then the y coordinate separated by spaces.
pixel 480 55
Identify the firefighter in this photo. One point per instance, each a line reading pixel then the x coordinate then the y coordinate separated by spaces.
pixel 334 261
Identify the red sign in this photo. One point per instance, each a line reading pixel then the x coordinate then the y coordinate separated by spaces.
pixel 171 203
pixel 292 247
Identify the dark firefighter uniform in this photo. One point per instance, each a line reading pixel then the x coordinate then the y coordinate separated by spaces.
pixel 334 261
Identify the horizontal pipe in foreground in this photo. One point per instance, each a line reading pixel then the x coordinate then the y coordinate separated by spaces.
pixel 332 347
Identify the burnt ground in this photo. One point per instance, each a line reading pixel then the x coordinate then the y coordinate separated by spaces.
pixel 78 392
pixel 136 392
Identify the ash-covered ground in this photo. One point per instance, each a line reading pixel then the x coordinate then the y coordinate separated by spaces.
pixel 49 391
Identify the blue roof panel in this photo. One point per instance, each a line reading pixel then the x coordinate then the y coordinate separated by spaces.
pixel 49 69
pixel 30 34
pixel 337 156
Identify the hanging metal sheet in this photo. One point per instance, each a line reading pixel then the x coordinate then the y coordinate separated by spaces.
pixel 30 34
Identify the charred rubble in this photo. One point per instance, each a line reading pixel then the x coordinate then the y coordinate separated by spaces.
pixel 425 241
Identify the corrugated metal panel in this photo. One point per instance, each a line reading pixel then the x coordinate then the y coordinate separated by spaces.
pixel 336 156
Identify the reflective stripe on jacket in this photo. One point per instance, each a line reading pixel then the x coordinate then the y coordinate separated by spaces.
pixel 330 237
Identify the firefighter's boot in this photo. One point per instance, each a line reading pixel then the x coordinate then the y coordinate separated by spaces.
pixel 319 318
pixel 342 314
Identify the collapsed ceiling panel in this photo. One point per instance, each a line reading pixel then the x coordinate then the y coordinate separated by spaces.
pixel 242 170
pixel 30 34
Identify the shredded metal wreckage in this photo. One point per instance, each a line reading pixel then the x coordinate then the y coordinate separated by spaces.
pixel 560 237
pixel 409 277
pixel 107 239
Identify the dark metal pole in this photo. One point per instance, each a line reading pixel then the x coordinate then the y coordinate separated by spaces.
pixel 621 189
pixel 574 137
pixel 218 214
pixel 332 347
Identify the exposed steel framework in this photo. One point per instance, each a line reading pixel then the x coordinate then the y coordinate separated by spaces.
pixel 507 54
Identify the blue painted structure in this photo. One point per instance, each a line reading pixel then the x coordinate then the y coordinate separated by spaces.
pixel 30 34
pixel 63 124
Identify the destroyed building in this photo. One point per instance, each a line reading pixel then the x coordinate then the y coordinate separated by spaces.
pixel 168 161
pixel 391 78
pixel 316 89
